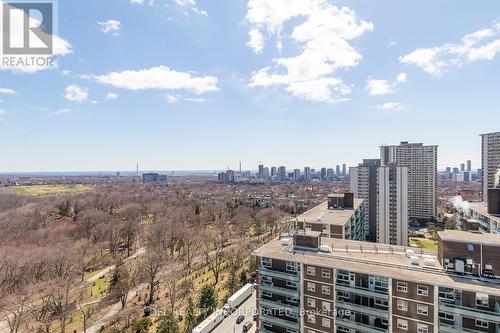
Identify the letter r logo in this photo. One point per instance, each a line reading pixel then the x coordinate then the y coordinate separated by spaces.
pixel 27 27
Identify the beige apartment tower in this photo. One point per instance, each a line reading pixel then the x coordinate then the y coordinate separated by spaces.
pixel 490 161
pixel 421 162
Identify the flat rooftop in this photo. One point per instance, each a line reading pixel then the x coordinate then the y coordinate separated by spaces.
pixel 470 237
pixel 322 215
pixel 483 210
pixel 377 259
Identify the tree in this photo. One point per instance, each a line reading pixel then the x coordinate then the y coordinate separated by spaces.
pixel 190 318
pixel 207 302
pixel 177 289
pixel 168 324
pixel 151 267
pixel 87 311
pixel 125 281
pixel 142 325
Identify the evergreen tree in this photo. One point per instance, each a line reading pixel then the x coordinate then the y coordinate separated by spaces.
pixel 168 324
pixel 190 321
pixel 208 300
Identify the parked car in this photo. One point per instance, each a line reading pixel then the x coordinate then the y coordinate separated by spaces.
pixel 247 326
pixel 240 319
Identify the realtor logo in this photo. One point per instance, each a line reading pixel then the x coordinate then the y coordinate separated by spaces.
pixel 27 28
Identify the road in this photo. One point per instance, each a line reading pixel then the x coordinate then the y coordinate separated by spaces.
pixel 247 309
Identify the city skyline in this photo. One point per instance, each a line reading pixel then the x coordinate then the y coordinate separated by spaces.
pixel 198 86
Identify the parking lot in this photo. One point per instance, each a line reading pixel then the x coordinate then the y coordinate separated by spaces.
pixel 247 309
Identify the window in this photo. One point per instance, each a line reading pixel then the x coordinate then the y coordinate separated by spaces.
pixel 422 328
pixel 470 247
pixel 325 273
pixel 311 271
pixel 267 262
pixel 325 290
pixel 311 287
pixel 402 287
pixel 402 305
pixel 381 302
pixel 446 316
pixel 341 329
pixel 325 306
pixel 292 300
pixel 482 323
pixel 381 283
pixel 311 331
pixel 326 322
pixel 343 295
pixel 311 319
pixel 311 302
pixel 482 299
pixel 423 290
pixel 291 284
pixel 266 293
pixel 288 330
pixel 291 266
pixel 423 309
pixel 267 280
pixel 403 324
pixel 343 277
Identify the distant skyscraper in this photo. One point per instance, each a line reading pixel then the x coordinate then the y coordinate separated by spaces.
pixel 337 170
pixel 323 174
pixel 330 175
pixel 282 173
pixel 421 162
pixel 296 175
pixel 307 173
pixel 392 205
pixel 469 165
pixel 266 173
pixel 448 169
pixel 261 172
pixel 274 171
pixel 363 184
pixel 462 167
pixel 490 161
pixel 344 170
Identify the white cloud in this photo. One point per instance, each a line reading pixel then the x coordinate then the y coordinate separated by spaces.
pixel 379 87
pixel 111 96
pixel 172 99
pixel 7 91
pixel 75 93
pixel 61 47
pixel 389 106
pixel 256 41
pixel 401 78
pixel 159 78
pixel 110 26
pixel 392 44
pixel 192 4
pixel 61 111
pixel 480 45
pixel 137 2
pixel 324 33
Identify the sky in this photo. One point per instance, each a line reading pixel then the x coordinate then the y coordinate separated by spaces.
pixel 204 84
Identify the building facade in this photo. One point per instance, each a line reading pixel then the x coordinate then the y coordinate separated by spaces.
pixel 363 184
pixel 310 284
pixel 392 205
pixel 421 162
pixel 342 216
pixel 490 149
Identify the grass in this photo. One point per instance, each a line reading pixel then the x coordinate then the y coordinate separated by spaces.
pixel 424 243
pixel 43 190
pixel 100 288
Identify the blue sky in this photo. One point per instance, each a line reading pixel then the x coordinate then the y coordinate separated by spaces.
pixel 186 85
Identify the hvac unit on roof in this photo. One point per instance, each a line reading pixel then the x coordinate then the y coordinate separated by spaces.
pixel 459 266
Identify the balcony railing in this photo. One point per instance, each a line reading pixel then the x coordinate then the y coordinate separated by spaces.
pixel 359 326
pixel 279 274
pixel 278 290
pixel 279 306
pixel 384 314
pixel 279 322
pixel 491 316
pixel 363 291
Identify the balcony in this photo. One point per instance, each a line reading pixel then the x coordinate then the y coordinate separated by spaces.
pixel 447 328
pixel 363 291
pixel 279 306
pixel 359 326
pixel 280 322
pixel 278 274
pixel 384 314
pixel 278 290
pixel 486 315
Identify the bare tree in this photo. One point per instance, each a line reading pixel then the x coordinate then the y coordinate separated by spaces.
pixel 151 267
pixel 125 281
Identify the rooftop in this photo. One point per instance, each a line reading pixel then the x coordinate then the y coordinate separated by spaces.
pixel 321 214
pixel 470 237
pixel 483 210
pixel 377 259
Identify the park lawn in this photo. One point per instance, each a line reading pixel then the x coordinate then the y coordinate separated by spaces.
pixel 100 288
pixel 424 243
pixel 43 190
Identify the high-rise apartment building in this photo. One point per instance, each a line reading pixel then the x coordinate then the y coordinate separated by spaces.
pixel 282 173
pixel 274 171
pixel 296 175
pixel 310 284
pixel 344 170
pixel 341 216
pixel 490 161
pixel 261 172
pixel 337 170
pixel 392 205
pixel 462 167
pixel 469 165
pixel 421 162
pixel 363 184
pixel 323 174
pixel 307 173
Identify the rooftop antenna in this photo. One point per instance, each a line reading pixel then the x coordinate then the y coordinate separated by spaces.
pixel 137 168
pixel 240 166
